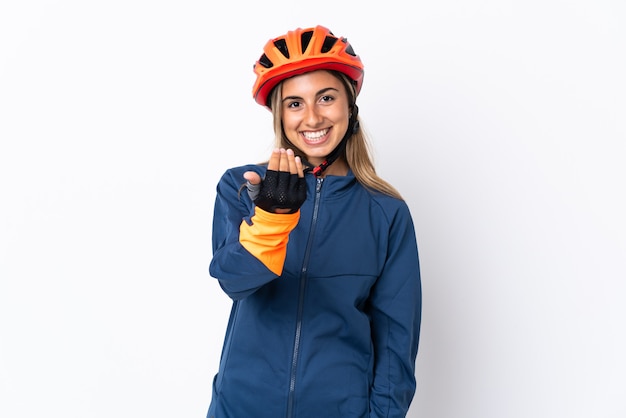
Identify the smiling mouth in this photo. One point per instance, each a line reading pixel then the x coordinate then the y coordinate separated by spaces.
pixel 313 137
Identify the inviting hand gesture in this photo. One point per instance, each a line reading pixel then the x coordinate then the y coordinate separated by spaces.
pixel 283 190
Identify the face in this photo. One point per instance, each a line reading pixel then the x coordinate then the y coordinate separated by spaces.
pixel 315 113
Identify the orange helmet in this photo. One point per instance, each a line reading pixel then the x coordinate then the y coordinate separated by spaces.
pixel 301 51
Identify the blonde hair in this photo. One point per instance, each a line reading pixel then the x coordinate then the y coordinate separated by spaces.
pixel 357 152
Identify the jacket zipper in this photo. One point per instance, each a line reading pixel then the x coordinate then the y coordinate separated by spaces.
pixel 303 280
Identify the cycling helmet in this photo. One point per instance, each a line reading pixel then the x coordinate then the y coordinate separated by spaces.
pixel 301 51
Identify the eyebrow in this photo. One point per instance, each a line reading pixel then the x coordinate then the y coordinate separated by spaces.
pixel 322 91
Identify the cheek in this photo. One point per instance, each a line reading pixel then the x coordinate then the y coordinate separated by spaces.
pixel 338 115
pixel 290 124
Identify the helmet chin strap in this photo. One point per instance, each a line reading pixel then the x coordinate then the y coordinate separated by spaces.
pixel 353 127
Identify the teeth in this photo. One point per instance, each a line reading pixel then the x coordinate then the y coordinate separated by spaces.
pixel 315 135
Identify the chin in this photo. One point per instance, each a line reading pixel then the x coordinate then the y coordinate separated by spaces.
pixel 321 156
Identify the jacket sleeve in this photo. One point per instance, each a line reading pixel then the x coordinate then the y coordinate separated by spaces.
pixel 249 244
pixel 395 309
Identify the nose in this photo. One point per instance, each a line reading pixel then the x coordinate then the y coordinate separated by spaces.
pixel 313 117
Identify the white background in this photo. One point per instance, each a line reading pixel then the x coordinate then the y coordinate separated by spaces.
pixel 501 122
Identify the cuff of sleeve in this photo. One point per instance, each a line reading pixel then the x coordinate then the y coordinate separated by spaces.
pixel 266 238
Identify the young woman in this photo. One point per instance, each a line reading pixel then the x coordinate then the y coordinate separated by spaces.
pixel 316 251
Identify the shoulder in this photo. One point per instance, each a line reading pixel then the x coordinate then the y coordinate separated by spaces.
pixel 387 202
pixel 391 208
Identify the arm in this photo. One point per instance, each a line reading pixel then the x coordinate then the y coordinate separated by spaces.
pixel 395 309
pixel 249 251
pixel 239 272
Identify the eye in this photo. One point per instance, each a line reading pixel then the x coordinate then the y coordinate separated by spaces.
pixel 326 99
pixel 293 104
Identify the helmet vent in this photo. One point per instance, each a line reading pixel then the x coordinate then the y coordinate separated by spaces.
pixel 305 38
pixel 329 42
pixel 264 61
pixel 349 49
pixel 281 44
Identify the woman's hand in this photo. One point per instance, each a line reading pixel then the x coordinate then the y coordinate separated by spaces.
pixel 283 190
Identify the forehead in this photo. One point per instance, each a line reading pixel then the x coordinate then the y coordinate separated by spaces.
pixel 311 83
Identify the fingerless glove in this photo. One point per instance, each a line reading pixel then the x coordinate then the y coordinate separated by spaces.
pixel 279 190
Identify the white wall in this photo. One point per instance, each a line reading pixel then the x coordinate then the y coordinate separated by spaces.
pixel 502 122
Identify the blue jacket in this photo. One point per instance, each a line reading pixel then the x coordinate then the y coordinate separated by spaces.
pixel 336 334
